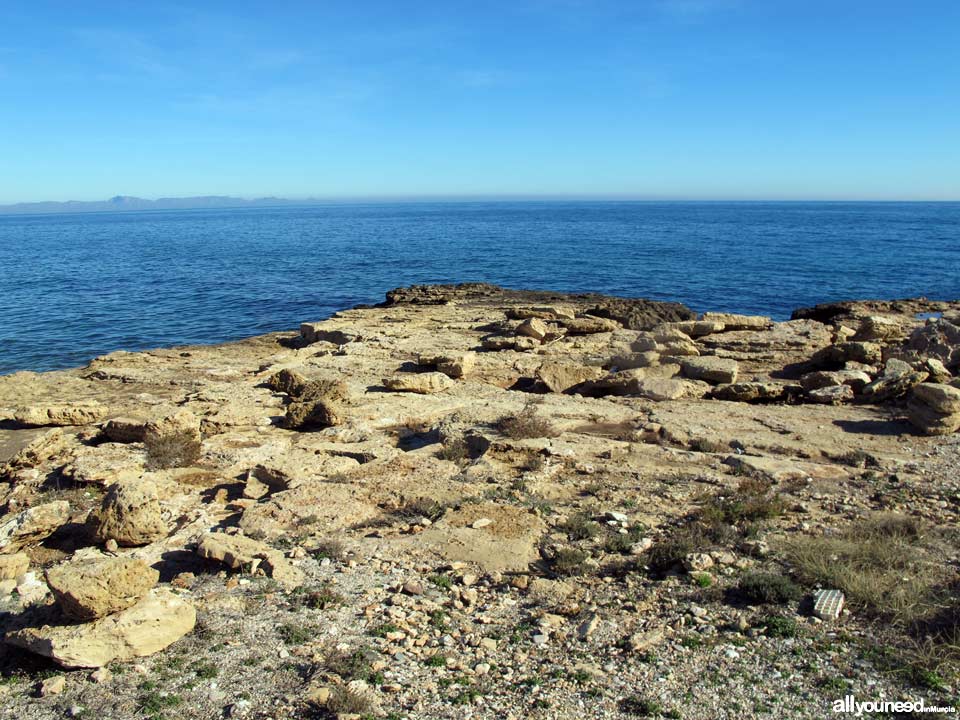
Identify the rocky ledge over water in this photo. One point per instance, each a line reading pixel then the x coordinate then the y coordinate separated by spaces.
pixel 477 502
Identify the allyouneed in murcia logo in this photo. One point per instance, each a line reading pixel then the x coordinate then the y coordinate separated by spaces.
pixel 849 704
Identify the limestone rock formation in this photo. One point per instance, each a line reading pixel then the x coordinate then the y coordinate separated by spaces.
pixel 130 514
pixel 91 589
pixel 421 383
pixel 934 408
pixel 249 555
pixel 72 414
pixel 156 621
pixel 19 530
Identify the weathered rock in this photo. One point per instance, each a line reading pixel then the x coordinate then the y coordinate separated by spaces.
pixel 155 622
pixel 734 322
pixel 30 526
pixel 938 339
pixel 755 392
pixel 60 415
pixel 319 404
pixel 90 589
pixel 453 365
pixel 249 555
pixel 507 342
pixel 939 397
pixel 106 464
pixel 288 381
pixel 182 423
pixel 563 376
pixel 831 395
pixel 421 383
pixel 543 312
pixel 840 353
pixel 898 379
pixel 130 514
pixel 13 566
pixel 629 361
pixel 124 430
pixel 878 327
pixel 313 332
pixel 534 328
pixel 669 389
pixel 694 328
pixel 54 447
pixel 589 325
pixel 856 379
pixel 711 369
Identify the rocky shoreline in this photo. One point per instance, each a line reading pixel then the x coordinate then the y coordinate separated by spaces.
pixel 476 502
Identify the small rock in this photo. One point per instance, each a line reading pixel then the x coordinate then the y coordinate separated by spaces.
pixel 53 685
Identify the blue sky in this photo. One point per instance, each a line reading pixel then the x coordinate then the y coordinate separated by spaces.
pixel 649 98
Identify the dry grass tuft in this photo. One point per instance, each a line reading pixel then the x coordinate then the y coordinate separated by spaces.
pixel 526 424
pixel 172 450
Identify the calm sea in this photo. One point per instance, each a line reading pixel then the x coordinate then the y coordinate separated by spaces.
pixel 75 286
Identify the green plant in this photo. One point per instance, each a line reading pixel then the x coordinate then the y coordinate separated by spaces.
pixel 444 582
pixel 435 661
pixel 294 634
pixel 323 597
pixel 205 670
pixel 383 629
pixel 640 706
pixel 580 527
pixel 780 626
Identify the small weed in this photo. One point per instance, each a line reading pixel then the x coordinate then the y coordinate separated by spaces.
pixel 640 706
pixel 444 582
pixel 205 670
pixel 435 661
pixel 383 629
pixel 580 527
pixel 329 549
pixel 294 634
pixel 780 627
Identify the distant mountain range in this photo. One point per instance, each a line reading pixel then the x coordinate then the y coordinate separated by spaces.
pixel 128 203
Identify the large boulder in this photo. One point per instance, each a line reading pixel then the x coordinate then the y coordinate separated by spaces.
pixel 589 325
pixel 755 392
pixel 856 379
pixel 91 589
pixel 130 514
pixel 249 555
pixel 534 328
pixel 869 353
pixel 156 621
pixel 30 526
pixel 934 408
pixel 181 424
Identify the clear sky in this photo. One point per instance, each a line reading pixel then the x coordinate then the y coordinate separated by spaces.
pixel 647 98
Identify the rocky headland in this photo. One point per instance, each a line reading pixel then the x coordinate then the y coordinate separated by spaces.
pixel 476 502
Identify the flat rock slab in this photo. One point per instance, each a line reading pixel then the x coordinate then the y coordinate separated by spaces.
pixel 243 553
pixel 158 620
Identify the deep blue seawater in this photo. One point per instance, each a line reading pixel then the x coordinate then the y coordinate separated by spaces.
pixel 75 286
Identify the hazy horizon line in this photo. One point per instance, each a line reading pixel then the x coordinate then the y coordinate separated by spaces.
pixel 482 197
